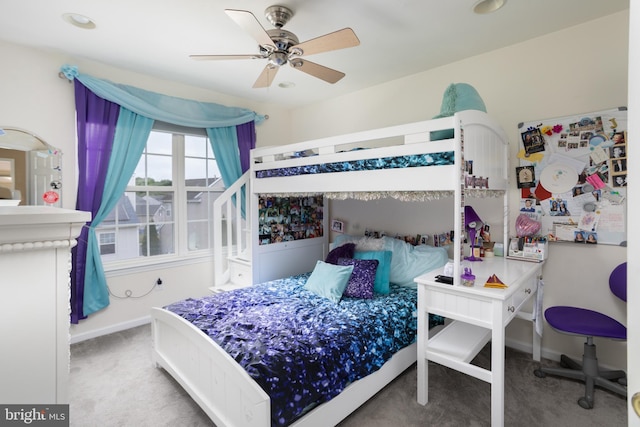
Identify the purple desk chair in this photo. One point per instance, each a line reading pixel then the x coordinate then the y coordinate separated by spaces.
pixel 589 323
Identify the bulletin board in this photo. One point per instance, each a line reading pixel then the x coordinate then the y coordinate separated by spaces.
pixel 572 175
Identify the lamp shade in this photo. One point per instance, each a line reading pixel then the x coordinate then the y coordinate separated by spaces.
pixel 471 219
pixel 472 223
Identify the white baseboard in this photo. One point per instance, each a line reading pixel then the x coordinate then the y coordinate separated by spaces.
pixel 527 347
pixel 110 329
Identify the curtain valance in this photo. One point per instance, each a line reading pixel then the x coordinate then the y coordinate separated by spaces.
pixel 165 108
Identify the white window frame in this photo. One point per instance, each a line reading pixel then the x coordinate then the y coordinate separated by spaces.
pixel 182 255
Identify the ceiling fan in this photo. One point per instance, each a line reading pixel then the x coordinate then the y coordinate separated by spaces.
pixel 280 46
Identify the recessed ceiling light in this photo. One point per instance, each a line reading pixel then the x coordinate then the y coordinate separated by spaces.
pixel 488 6
pixel 79 21
pixel 287 85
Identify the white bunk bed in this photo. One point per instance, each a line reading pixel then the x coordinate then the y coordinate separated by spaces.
pixel 213 379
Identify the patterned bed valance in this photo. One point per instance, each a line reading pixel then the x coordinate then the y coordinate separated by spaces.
pixel 392 162
pixel 404 196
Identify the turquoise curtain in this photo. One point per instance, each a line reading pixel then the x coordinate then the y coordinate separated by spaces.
pixel 132 132
pixel 224 142
pixel 169 109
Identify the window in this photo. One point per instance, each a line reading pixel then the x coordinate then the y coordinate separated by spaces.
pixel 167 208
pixel 107 243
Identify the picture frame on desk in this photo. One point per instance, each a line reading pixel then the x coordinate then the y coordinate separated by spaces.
pixel 528 249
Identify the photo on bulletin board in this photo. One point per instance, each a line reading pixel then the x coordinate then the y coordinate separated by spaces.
pixel 579 175
pixel 533 141
pixel 526 176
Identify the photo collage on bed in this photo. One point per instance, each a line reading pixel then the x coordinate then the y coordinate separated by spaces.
pixel 284 219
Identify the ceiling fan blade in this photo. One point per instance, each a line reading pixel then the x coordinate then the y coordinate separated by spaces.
pixel 216 57
pixel 266 77
pixel 320 71
pixel 333 41
pixel 251 25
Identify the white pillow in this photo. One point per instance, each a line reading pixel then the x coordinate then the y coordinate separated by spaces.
pixel 362 243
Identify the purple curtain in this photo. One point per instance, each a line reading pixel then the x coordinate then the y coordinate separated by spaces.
pixel 246 141
pixel 96 122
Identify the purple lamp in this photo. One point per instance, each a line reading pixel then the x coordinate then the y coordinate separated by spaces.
pixel 472 223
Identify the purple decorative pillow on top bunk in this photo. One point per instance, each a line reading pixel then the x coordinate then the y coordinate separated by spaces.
pixel 362 278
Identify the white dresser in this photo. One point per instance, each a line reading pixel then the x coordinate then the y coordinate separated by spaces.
pixel 35 261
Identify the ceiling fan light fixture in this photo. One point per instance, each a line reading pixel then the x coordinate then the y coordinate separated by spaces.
pixel 79 21
pixel 488 6
pixel 278 58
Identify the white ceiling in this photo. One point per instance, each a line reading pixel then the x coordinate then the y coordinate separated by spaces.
pixel 397 38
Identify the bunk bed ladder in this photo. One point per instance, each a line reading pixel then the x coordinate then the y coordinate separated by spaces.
pixel 232 238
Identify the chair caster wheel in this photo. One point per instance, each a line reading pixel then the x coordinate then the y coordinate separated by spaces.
pixel 584 403
pixel 538 373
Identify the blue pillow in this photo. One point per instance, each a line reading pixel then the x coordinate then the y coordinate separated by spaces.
pixel 411 261
pixel 328 280
pixel 381 282
pixel 360 283
pixel 457 97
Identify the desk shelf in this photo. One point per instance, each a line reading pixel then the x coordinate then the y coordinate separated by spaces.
pixel 456 345
pixel 459 341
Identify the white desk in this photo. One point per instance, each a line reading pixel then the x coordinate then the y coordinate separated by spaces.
pixel 479 314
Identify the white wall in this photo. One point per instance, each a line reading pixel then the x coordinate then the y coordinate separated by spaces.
pixel 578 70
pixel 36 99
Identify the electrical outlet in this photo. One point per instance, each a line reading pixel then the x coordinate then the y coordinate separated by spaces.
pixel 159 285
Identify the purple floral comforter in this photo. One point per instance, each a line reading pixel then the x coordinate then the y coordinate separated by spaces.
pixel 303 349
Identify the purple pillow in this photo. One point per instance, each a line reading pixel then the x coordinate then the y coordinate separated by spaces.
pixel 344 251
pixel 360 283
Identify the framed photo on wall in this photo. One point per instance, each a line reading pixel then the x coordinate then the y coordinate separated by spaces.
pixel 337 226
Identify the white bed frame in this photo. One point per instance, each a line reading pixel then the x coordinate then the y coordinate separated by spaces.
pixel 212 378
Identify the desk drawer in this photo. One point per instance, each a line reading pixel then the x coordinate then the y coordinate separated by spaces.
pixel 517 300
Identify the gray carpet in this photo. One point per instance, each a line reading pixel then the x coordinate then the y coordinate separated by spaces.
pixel 113 383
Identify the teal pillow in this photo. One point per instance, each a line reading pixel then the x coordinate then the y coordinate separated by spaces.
pixel 457 97
pixel 381 282
pixel 329 280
